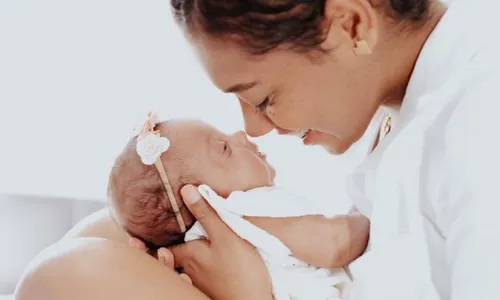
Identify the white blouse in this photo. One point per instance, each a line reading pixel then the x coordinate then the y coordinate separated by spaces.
pixel 431 188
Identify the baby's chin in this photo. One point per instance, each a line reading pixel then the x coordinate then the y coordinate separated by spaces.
pixel 272 176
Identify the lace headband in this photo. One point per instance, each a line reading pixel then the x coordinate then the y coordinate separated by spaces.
pixel 150 146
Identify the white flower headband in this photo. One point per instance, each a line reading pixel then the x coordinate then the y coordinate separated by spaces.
pixel 150 146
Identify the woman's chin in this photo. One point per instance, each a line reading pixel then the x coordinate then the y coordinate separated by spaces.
pixel 334 148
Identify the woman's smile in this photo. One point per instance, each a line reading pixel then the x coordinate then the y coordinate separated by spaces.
pixel 299 133
pixel 305 135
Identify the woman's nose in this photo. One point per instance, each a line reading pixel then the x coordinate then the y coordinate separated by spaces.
pixel 256 124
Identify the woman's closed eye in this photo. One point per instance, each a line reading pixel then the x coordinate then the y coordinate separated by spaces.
pixel 262 106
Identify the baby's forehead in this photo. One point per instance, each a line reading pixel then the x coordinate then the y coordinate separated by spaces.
pixel 188 135
pixel 187 128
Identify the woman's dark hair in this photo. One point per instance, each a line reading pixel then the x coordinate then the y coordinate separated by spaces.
pixel 262 25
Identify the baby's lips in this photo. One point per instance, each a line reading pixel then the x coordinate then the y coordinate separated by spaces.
pixel 262 155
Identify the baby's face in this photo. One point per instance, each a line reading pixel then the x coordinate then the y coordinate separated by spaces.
pixel 226 163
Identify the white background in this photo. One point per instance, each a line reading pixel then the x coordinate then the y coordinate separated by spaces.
pixel 74 76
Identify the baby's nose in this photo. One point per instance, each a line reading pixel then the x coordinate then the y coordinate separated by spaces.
pixel 242 138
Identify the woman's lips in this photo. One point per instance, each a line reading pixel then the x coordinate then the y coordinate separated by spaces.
pixel 304 135
pixel 299 133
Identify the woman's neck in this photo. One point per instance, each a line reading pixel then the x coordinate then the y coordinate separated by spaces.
pixel 402 54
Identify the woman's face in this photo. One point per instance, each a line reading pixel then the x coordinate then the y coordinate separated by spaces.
pixel 325 99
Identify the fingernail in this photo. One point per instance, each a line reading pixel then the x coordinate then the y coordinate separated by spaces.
pixel 191 195
pixel 162 253
pixel 163 261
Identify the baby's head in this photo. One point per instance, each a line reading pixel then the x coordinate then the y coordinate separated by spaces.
pixel 198 154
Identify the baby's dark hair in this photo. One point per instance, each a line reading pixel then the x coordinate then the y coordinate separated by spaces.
pixel 262 25
pixel 138 200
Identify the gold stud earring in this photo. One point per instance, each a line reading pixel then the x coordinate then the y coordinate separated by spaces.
pixel 362 48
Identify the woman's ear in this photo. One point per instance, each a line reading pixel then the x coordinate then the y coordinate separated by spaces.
pixel 352 23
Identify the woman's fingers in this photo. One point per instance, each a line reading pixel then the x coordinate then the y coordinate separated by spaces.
pixel 186 278
pixel 166 257
pixel 138 244
pixel 211 264
pixel 211 269
pixel 188 255
pixel 210 221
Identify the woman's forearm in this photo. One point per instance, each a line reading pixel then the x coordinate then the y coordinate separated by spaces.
pixel 318 240
pixel 331 243
pixel 353 232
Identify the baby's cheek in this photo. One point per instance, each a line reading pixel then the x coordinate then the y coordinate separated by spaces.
pixel 243 176
pixel 271 172
pixel 220 180
pixel 261 174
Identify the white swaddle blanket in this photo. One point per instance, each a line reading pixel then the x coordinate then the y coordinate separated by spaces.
pixel 291 277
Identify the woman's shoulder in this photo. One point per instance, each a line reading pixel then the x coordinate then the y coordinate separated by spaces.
pixel 463 140
pixel 81 268
pixel 474 113
pixel 466 106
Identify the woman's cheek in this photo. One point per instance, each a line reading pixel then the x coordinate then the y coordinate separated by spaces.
pixel 298 108
pixel 286 118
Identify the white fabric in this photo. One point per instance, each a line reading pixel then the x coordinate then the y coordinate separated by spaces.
pixel 431 188
pixel 291 277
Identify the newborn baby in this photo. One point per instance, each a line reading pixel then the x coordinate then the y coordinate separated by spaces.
pixel 238 182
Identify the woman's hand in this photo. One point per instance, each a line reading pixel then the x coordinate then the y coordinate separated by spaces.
pixel 163 255
pixel 226 267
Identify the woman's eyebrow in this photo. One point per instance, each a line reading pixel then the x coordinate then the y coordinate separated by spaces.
pixel 240 87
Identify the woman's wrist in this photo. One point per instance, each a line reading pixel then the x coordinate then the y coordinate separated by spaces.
pixel 352 238
pixel 336 242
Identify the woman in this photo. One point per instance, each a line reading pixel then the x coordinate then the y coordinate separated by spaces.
pixel 320 70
